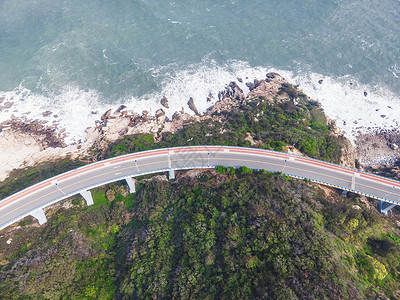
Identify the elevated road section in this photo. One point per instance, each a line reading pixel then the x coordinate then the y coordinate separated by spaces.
pixel 32 200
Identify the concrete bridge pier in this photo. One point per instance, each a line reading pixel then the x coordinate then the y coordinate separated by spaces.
pixel 131 184
pixel 171 174
pixel 87 195
pixel 39 215
pixel 384 207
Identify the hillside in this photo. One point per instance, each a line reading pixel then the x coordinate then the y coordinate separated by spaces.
pixel 231 234
pixel 235 235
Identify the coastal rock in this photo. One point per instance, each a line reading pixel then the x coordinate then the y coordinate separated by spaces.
pixel 115 128
pixel 320 81
pixel 272 75
pixel 236 91
pixel 378 147
pixel 92 134
pixel 160 112
pixel 6 105
pixel 25 145
pixel 268 89
pixel 164 102
pixel 227 103
pixel 120 108
pixel 348 154
pixel 250 85
pixel 209 98
pixel 192 106
pixel 105 116
pixel 257 83
pixel 144 116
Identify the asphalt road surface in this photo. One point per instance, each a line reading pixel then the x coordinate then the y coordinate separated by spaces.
pixel 62 186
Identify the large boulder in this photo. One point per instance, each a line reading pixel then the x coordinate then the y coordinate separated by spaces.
pixel 164 102
pixel 192 106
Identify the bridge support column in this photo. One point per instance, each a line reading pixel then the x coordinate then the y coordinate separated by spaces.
pixel 131 184
pixel 344 192
pixel 87 195
pixel 40 216
pixel 171 174
pixel 384 207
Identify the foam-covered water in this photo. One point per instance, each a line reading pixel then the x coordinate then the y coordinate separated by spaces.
pixel 78 59
pixel 355 107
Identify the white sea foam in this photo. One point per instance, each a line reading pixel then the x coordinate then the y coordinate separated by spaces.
pixel 73 109
pixel 76 109
pixel 343 100
pixel 197 82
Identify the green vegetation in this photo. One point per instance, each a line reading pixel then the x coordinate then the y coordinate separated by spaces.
pixel 271 125
pixel 232 235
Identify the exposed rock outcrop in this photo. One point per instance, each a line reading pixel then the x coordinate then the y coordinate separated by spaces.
pixel 210 97
pixel 268 88
pixel 164 102
pixel 379 147
pixel 192 106
pixel 348 154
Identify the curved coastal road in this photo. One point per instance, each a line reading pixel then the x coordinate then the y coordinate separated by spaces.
pixel 32 200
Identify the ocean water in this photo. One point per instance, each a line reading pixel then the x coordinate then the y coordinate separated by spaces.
pixel 79 58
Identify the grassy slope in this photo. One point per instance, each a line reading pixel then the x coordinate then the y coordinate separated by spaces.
pixel 228 236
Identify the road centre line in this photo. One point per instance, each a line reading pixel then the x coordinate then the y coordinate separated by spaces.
pixel 136 156
pixel 255 161
pixel 326 165
pixel 78 171
pixel 23 205
pixel 67 186
pixel 378 189
pixel 291 167
pixel 260 152
pixel 198 149
pixel 112 171
pixel 113 161
pixel 377 178
pixel 36 199
pixel 280 165
pixel 110 165
pixel 23 194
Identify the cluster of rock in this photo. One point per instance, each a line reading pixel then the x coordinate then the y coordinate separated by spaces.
pixel 5 105
pixel 120 123
pixel 114 125
pixel 45 135
pixel 378 147
pixel 391 170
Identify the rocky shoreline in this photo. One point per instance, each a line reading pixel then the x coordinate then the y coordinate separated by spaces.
pixel 25 143
pixel 379 147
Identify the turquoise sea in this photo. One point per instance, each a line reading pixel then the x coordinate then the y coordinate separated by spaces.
pixel 79 58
